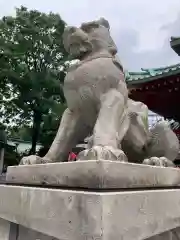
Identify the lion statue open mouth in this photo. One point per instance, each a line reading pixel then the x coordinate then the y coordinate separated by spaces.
pixel 98 103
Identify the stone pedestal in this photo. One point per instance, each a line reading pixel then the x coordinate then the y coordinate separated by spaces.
pixel 4 229
pixel 93 201
pixel 94 175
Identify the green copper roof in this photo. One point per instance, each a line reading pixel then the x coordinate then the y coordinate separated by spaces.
pixel 147 75
pixel 175 44
pixel 174 38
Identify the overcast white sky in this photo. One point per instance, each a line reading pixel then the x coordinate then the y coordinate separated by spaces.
pixel 141 28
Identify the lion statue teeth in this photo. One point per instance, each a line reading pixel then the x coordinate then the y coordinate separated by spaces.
pixel 97 100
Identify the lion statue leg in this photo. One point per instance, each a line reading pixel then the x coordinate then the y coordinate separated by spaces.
pixel 111 126
pixel 163 147
pixel 137 136
pixel 71 130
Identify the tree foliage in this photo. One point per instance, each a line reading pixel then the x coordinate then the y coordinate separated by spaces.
pixel 51 124
pixel 11 157
pixel 33 68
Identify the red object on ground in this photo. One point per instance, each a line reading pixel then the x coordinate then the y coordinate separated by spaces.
pixel 72 157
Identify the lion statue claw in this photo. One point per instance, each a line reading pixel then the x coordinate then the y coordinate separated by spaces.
pixel 162 162
pixel 33 159
pixel 102 153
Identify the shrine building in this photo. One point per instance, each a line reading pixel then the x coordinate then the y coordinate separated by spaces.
pixel 159 88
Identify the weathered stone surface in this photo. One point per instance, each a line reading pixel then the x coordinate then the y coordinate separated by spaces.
pixel 28 234
pixel 13 231
pixel 72 215
pixel 65 215
pixel 173 234
pixel 4 229
pixel 94 174
pixel 139 215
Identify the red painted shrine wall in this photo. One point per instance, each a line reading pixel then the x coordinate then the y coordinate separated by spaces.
pixel 161 96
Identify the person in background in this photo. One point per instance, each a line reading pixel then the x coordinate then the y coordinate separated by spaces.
pixel 72 157
pixel 74 153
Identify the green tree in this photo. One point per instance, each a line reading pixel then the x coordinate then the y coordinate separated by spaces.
pixel 33 68
pixel 23 133
pixel 50 125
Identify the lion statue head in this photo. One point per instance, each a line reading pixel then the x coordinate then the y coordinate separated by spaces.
pixel 89 38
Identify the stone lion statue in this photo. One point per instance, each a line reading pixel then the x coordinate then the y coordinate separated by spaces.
pixel 98 104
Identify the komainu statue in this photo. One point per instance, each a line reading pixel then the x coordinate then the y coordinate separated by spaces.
pixel 98 104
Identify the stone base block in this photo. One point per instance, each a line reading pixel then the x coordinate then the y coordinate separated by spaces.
pixel 94 175
pixel 79 215
pixel 4 229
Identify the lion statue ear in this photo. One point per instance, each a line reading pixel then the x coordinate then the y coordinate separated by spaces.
pixel 95 24
pixel 103 22
pixel 74 37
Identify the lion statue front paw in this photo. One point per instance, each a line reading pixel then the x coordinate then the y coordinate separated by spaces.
pixel 33 159
pixel 161 162
pixel 102 153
